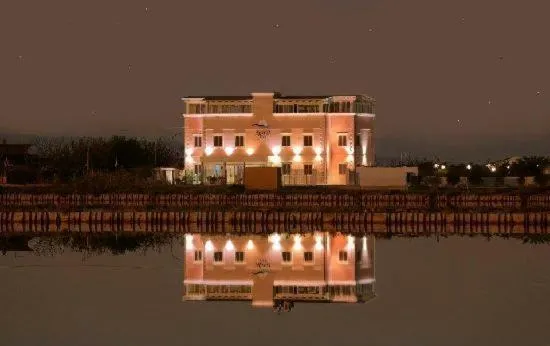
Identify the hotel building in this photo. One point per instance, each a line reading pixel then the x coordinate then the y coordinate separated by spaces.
pixel 314 139
pixel 319 267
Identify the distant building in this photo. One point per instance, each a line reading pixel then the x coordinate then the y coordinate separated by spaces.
pixel 309 268
pixel 314 139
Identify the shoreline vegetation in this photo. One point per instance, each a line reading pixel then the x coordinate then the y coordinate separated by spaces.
pixel 121 243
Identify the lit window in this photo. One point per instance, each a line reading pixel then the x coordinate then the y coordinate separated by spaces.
pixel 239 256
pixel 218 141
pixel 342 168
pixel 308 256
pixel 198 141
pixel 285 141
pixel 285 167
pixel 218 256
pixel 198 256
pixel 342 140
pixel 308 140
pixel 239 141
pixel 343 256
pixel 287 257
pixel 308 169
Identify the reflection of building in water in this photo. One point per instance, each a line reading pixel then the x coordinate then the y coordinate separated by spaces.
pixel 315 267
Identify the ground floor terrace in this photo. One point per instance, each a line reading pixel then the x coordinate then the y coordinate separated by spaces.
pixel 292 173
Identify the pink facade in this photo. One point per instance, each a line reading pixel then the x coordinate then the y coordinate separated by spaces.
pixel 310 267
pixel 315 139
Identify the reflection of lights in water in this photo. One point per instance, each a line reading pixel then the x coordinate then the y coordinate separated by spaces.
pixel 318 242
pixel 209 246
pixel 229 246
pixel 277 246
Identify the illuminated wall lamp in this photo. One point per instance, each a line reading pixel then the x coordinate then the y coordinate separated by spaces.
pixel 229 150
pixel 250 151
pixel 208 151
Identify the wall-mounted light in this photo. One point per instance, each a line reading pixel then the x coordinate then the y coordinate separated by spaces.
pixel 297 242
pixel 297 150
pixel 297 158
pixel 318 158
pixel 351 242
pixel 189 242
pixel 229 246
pixel 350 150
pixel 349 158
pixel 318 150
pixel 208 151
pixel 250 151
pixel 276 150
pixel 188 151
pixel 468 166
pixel 208 246
pixel 229 150
pixel 318 243
pixel 250 245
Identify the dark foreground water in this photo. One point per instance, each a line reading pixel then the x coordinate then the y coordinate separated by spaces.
pixel 458 291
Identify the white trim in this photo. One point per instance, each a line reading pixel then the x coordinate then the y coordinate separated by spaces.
pixel 192 99
pixel 366 281
pixel 262 94
pixel 299 283
pixel 368 115
pixel 218 282
pixel 215 115
pixel 342 282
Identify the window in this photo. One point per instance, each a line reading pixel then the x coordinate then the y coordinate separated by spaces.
pixel 198 141
pixel 308 140
pixel 342 168
pixel 198 256
pixel 239 141
pixel 285 168
pixel 287 257
pixel 198 169
pixel 218 256
pixel 308 169
pixel 308 256
pixel 239 257
pixel 342 140
pixel 343 256
pixel 357 139
pixel 285 141
pixel 218 141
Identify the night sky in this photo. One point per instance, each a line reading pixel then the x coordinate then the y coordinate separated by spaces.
pixel 460 79
pixel 461 291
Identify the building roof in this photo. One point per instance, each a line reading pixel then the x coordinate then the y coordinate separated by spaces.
pixel 276 95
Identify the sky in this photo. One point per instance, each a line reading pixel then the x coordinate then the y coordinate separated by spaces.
pixel 460 291
pixel 456 79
